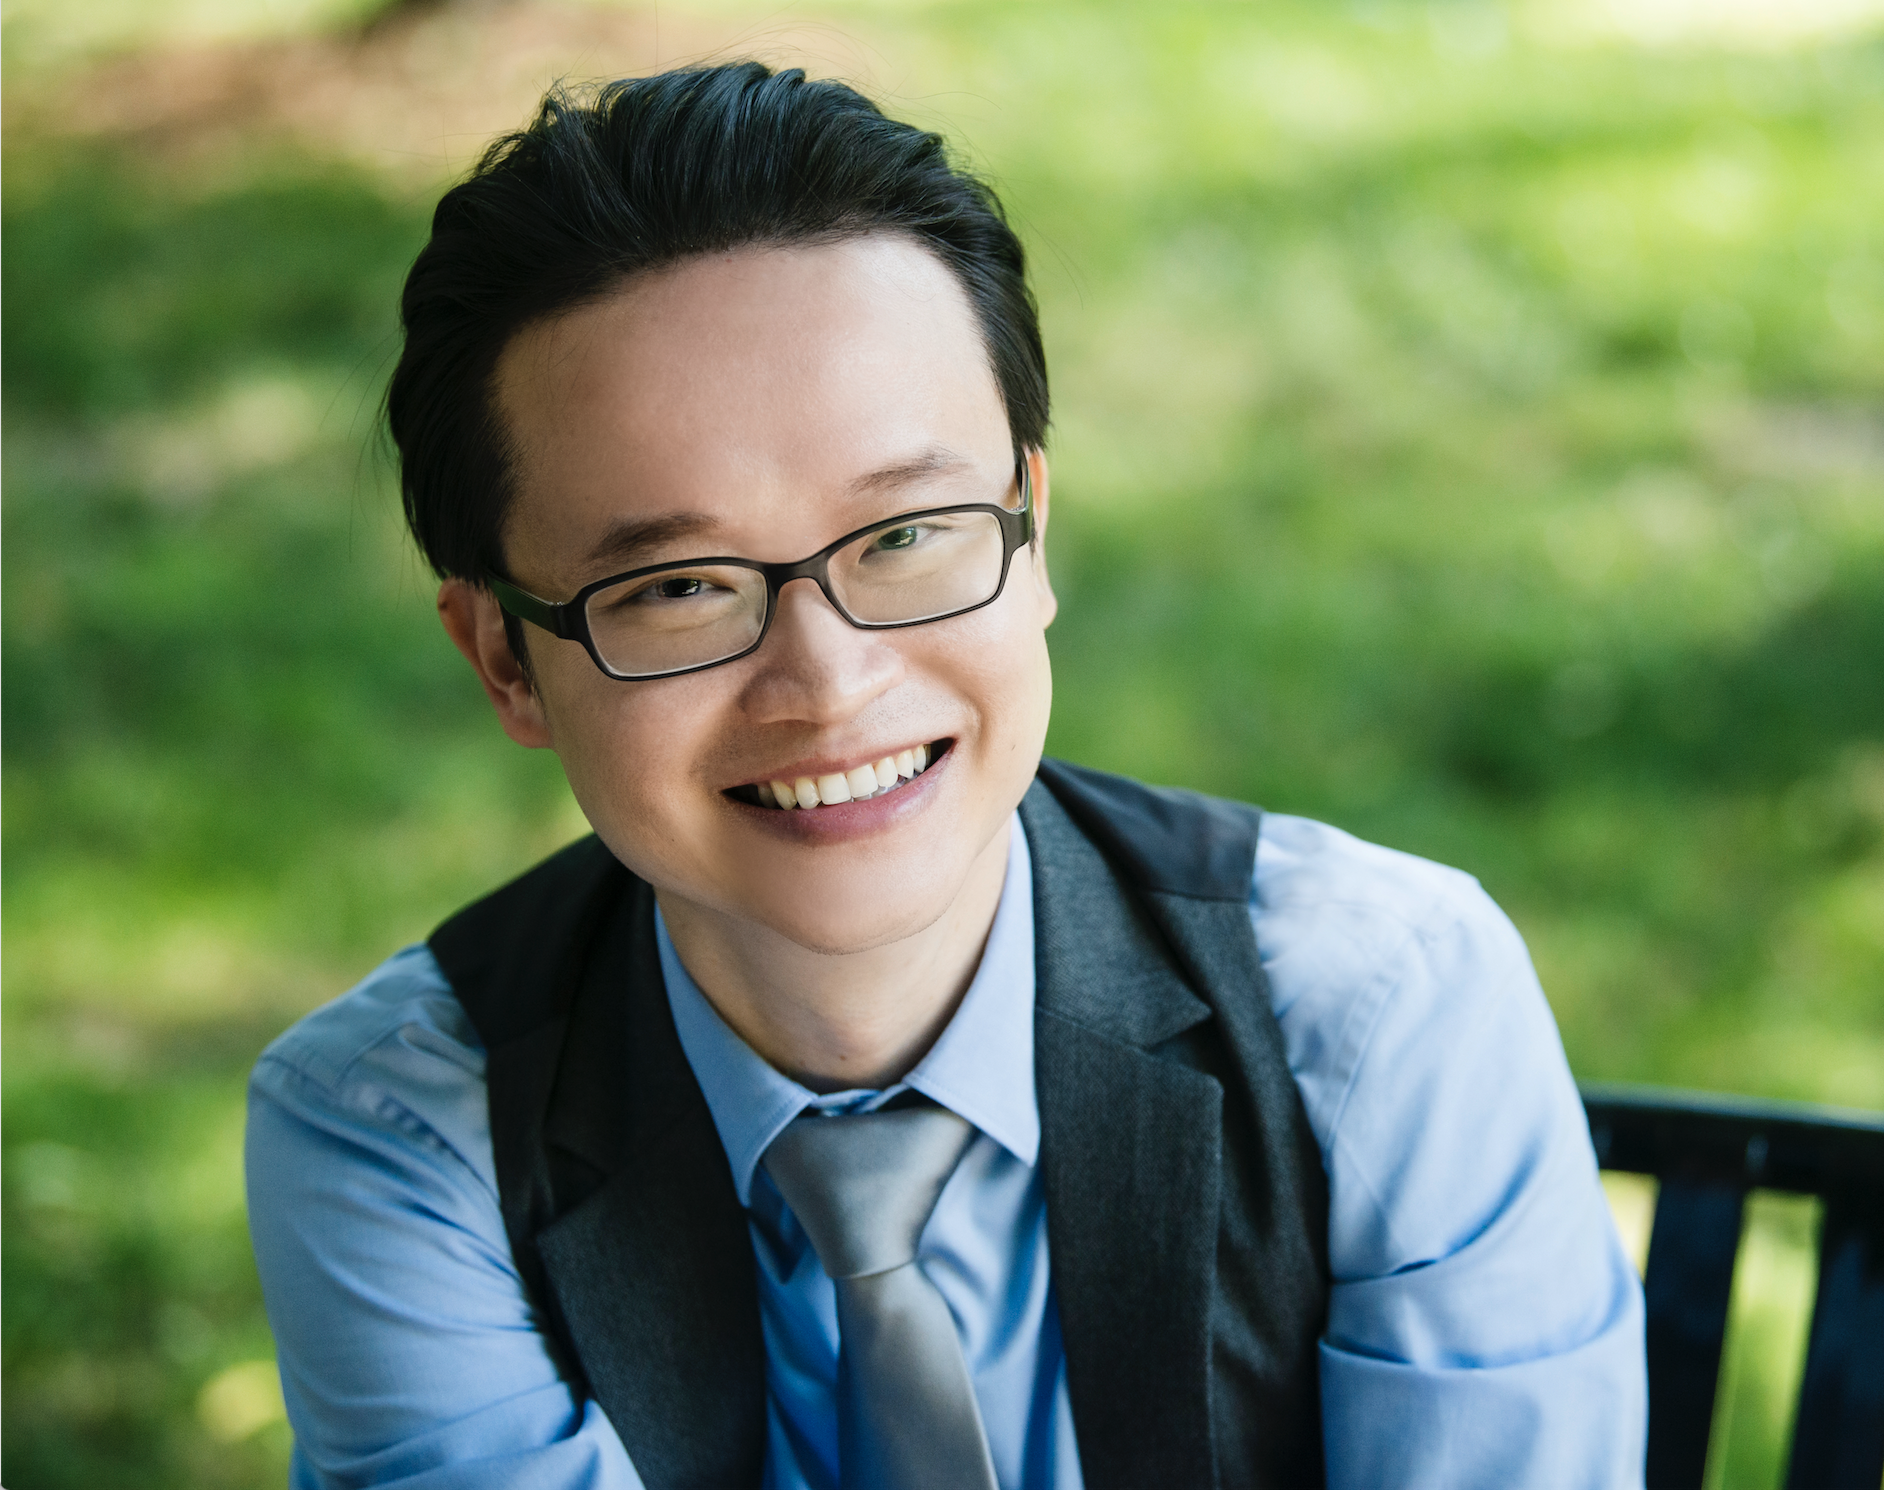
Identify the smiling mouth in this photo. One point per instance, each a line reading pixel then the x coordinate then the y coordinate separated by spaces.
pixel 858 784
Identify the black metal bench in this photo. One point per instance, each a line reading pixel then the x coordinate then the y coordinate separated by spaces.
pixel 1707 1152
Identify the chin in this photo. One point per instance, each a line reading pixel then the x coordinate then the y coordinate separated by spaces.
pixel 841 913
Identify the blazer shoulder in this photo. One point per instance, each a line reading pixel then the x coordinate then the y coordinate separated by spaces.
pixel 493 951
pixel 1169 840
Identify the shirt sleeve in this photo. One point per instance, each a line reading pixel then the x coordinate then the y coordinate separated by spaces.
pixel 1485 1327
pixel 409 1353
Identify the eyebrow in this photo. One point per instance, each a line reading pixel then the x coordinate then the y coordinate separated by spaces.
pixel 937 460
pixel 631 540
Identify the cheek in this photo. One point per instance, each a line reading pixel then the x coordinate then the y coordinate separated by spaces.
pixel 626 748
pixel 1029 694
pixel 997 662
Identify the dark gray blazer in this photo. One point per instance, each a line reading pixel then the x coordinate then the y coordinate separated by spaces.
pixel 1186 1202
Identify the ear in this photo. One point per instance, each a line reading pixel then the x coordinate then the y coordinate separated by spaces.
pixel 1037 475
pixel 475 624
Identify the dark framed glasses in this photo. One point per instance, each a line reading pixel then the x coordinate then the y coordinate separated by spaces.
pixel 677 618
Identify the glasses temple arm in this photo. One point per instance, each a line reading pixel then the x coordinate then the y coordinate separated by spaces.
pixel 526 607
pixel 1024 476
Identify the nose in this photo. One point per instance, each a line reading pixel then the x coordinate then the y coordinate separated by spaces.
pixel 815 667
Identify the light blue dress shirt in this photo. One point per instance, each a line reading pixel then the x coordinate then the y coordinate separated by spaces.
pixel 1484 1326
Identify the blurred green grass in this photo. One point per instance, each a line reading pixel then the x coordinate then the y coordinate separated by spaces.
pixel 1464 436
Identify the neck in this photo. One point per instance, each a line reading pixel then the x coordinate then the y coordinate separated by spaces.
pixel 834 1021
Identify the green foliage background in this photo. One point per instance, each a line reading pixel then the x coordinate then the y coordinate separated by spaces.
pixel 1467 433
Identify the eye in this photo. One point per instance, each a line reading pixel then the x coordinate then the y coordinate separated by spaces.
pixel 675 587
pixel 892 539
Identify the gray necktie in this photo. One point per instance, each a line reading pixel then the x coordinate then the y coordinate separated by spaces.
pixel 863 1188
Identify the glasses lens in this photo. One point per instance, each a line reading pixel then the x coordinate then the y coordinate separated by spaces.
pixel 920 569
pixel 677 619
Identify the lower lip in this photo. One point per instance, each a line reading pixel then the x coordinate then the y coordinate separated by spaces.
pixel 848 820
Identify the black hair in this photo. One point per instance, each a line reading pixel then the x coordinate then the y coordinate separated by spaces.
pixel 647 172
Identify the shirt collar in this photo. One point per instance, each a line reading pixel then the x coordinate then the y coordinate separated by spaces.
pixel 981 1067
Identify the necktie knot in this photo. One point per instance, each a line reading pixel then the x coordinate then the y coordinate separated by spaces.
pixel 863 1186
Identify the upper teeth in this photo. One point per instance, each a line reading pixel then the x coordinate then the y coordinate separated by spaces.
pixel 868 780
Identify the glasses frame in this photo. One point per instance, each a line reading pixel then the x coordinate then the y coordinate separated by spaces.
pixel 569 619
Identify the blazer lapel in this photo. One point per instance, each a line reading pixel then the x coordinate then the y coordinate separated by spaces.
pixel 1131 1158
pixel 653 1271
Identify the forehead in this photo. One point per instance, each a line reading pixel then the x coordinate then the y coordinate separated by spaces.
pixel 743 385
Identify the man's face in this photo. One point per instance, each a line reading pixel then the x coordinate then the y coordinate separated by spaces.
pixel 763 403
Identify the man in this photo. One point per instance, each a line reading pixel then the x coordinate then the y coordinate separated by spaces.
pixel 826 1119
